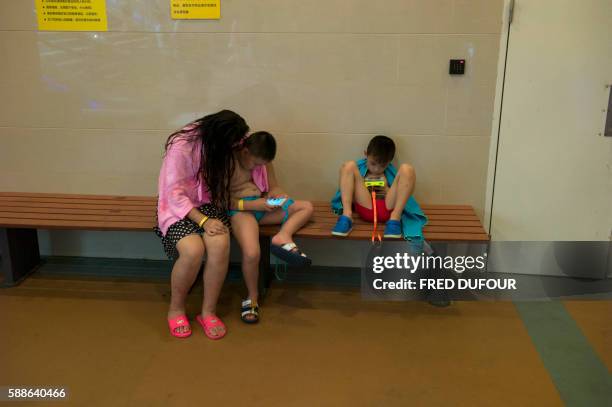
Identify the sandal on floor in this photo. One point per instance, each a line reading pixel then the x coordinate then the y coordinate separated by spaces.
pixel 210 322
pixel 290 254
pixel 177 322
pixel 249 311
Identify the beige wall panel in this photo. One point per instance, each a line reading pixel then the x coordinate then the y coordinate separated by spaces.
pixel 89 112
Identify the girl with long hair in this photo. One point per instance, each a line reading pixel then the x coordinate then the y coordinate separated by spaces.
pixel 192 213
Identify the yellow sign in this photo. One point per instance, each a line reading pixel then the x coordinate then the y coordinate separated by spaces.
pixel 195 9
pixel 71 15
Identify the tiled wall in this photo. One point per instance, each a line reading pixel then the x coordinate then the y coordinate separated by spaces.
pixel 89 112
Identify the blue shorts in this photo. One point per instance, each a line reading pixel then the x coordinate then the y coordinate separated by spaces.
pixel 260 214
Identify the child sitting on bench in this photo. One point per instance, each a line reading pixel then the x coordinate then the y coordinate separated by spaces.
pixel 393 196
pixel 252 184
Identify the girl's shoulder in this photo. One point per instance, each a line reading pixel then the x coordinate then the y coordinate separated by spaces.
pixel 191 127
pixel 182 144
pixel 186 139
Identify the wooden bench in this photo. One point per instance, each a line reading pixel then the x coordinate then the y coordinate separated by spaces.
pixel 22 213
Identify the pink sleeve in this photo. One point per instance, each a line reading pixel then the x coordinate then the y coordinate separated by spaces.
pixel 177 180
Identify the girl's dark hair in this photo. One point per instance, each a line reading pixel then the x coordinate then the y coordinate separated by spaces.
pixel 262 145
pixel 219 133
pixel 382 149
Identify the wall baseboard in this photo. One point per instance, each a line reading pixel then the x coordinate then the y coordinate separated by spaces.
pixel 142 269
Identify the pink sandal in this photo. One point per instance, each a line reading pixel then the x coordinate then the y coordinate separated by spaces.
pixel 177 322
pixel 210 322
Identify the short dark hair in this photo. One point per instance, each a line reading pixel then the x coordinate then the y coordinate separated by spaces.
pixel 262 145
pixel 382 149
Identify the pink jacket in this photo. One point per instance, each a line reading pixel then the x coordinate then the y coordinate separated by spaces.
pixel 178 190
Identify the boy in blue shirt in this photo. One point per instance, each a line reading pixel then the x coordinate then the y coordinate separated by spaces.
pixel 394 202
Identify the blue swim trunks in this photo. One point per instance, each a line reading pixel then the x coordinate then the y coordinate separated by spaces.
pixel 260 214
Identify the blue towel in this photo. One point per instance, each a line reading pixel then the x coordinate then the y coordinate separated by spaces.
pixel 413 218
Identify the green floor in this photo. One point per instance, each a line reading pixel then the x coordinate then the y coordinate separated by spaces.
pixel 579 373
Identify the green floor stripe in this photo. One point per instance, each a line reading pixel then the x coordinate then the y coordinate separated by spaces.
pixel 580 376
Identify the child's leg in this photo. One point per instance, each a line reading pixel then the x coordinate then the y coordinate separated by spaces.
pixel 299 213
pixel 246 232
pixel 184 273
pixel 400 190
pixel 352 187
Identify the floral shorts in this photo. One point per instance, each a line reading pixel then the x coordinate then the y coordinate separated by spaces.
pixel 186 227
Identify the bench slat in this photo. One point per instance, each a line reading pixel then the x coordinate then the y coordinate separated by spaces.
pixel 77 205
pixel 147 217
pixel 432 222
pixel 64 201
pixel 77 196
pixel 366 235
pixel 332 217
pixel 428 212
pixel 78 211
pixel 326 204
pixel 362 225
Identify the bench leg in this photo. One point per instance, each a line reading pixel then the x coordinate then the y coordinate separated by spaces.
pixel 265 272
pixel 438 298
pixel 20 255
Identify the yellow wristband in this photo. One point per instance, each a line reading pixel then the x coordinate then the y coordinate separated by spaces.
pixel 204 219
pixel 241 205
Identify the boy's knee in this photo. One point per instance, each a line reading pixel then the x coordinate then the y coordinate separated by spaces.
pixel 348 166
pixel 310 206
pixel 408 170
pixel 251 255
pixel 305 206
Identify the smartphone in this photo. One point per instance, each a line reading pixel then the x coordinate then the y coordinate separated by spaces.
pixel 276 201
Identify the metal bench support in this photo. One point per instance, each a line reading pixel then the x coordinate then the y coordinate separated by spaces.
pixel 265 272
pixel 20 254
